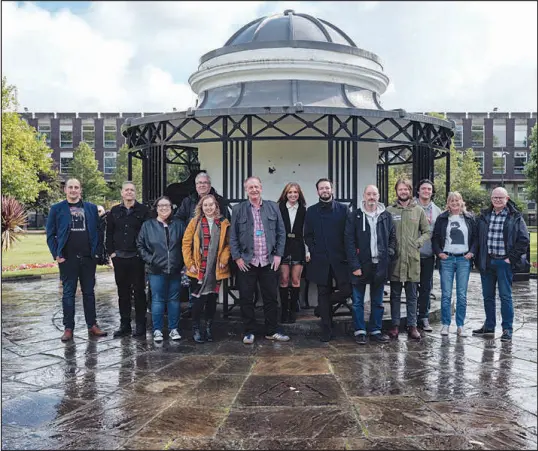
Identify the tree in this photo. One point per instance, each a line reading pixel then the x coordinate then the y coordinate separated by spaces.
pixel 47 197
pixel 401 171
pixel 25 155
pixel 121 174
pixel 84 169
pixel 531 168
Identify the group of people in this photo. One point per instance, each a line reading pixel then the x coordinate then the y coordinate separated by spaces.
pixel 267 244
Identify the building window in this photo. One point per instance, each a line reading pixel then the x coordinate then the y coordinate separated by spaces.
pixel 65 162
pixel 110 131
pixel 458 136
pixel 499 134
pixel 109 162
pixel 520 160
pixel 499 163
pixel 66 135
pixel 88 133
pixel 43 129
pixel 521 192
pixel 479 158
pixel 520 135
pixel 477 134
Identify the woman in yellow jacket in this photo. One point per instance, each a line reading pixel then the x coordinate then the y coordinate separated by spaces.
pixel 206 252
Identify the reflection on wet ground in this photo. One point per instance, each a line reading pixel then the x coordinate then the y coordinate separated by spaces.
pixel 439 393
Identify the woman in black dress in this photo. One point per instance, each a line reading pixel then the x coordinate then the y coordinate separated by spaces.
pixel 292 206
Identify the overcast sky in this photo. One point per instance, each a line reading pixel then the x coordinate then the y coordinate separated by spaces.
pixel 138 56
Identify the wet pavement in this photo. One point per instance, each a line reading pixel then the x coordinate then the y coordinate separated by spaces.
pixel 439 393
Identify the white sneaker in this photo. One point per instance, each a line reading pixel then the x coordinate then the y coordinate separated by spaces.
pixel 461 332
pixel 278 337
pixel 248 339
pixel 426 325
pixel 174 335
pixel 445 330
pixel 158 336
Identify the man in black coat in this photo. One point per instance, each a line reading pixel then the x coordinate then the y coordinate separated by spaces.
pixel 370 239
pixel 124 222
pixel 324 235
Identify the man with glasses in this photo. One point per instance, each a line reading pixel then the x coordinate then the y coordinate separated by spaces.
pixel 186 210
pixel 503 240
pixel 122 228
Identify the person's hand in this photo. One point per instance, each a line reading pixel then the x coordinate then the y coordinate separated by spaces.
pixel 193 269
pixel 443 256
pixel 112 255
pixel 222 265
pixel 468 255
pixel 357 272
pixel 60 259
pixel 276 263
pixel 507 260
pixel 242 265
pixel 307 258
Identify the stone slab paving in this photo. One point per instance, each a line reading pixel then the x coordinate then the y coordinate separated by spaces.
pixel 439 393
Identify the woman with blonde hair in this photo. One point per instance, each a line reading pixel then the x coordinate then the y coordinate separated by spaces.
pixel 206 251
pixel 455 242
pixel 292 205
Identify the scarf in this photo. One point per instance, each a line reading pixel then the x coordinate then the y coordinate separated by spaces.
pixel 205 240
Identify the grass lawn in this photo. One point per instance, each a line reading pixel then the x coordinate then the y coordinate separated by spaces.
pixel 31 249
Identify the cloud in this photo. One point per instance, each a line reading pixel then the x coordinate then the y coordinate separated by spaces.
pixel 137 56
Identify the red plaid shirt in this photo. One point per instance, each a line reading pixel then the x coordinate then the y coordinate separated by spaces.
pixel 260 244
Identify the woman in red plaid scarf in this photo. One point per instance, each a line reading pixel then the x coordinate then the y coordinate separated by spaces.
pixel 206 251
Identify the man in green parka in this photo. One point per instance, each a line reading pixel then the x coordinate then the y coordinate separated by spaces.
pixel 412 230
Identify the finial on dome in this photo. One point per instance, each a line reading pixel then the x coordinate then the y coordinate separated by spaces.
pixel 288 12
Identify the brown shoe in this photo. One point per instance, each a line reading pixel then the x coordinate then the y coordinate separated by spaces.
pixel 393 332
pixel 96 332
pixel 67 336
pixel 413 333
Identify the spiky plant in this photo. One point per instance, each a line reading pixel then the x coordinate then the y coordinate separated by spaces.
pixel 13 220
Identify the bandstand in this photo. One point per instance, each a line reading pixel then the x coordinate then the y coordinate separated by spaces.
pixel 289 97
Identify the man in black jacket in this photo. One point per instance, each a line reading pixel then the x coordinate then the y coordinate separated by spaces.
pixel 503 240
pixel 370 240
pixel 123 224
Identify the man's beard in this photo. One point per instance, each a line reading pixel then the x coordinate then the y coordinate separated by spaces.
pixel 325 197
pixel 402 199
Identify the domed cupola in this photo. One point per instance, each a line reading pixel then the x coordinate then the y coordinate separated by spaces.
pixel 289 59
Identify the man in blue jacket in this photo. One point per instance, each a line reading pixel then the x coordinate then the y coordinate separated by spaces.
pixel 503 240
pixel 73 240
pixel 324 235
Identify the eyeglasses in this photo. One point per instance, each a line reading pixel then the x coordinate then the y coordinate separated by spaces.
pixel 202 183
pixel 498 198
pixel 164 206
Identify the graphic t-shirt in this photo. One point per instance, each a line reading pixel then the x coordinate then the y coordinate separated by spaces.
pixel 78 242
pixel 456 241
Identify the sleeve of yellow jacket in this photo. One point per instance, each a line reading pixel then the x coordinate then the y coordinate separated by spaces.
pixel 226 251
pixel 424 229
pixel 187 244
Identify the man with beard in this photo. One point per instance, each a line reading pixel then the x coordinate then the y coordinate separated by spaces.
pixel 370 239
pixel 324 235
pixel 412 230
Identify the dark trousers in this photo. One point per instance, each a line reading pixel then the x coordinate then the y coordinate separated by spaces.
pixel 130 278
pixel 326 299
pixel 424 287
pixel 206 303
pixel 247 283
pixel 72 270
pixel 410 302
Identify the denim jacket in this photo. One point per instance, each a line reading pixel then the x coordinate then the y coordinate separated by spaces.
pixel 242 230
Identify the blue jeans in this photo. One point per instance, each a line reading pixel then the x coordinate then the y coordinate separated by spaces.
pixel 165 289
pixel 72 270
pixel 498 273
pixel 460 268
pixel 376 307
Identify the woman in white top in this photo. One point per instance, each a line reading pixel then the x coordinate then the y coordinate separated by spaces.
pixel 454 242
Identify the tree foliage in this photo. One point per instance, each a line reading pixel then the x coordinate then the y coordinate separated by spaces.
pixel 84 167
pixel 13 220
pixel 25 155
pixel 531 168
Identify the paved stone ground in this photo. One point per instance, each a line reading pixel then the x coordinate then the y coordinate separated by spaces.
pixel 439 393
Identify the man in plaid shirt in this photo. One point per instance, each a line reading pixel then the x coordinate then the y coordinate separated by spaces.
pixel 503 240
pixel 257 241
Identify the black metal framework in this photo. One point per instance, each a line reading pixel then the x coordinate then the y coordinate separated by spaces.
pixel 403 139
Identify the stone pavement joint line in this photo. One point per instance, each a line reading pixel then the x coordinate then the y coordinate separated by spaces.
pixel 436 393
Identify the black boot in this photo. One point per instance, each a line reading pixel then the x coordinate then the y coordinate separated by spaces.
pixel 294 303
pixel 140 329
pixel 196 335
pixel 285 304
pixel 124 330
pixel 209 330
